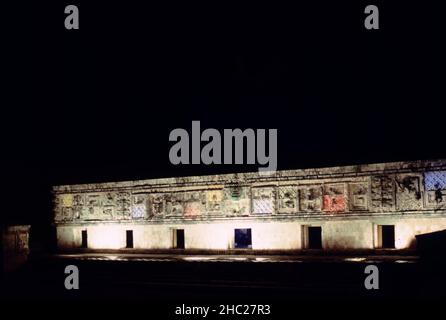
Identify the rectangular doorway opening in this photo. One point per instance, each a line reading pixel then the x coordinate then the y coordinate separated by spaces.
pixel 242 239
pixel 314 237
pixel 129 238
pixel 386 236
pixel 84 242
pixel 179 239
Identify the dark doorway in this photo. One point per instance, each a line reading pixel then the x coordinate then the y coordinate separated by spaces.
pixel 84 243
pixel 129 239
pixel 243 239
pixel 388 236
pixel 179 239
pixel 314 237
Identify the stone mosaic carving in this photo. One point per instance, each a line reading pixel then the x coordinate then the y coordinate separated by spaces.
pixel 310 198
pixel 78 200
pixel 194 203
pixel 138 211
pixel 108 199
pixel 98 206
pixel 334 198
pixel 382 193
pixel 287 199
pixel 236 200
pixel 139 207
pixel 263 200
pixel 434 180
pixel 408 195
pixel 93 200
pixel 318 191
pixel 435 186
pixel 158 205
pixel 358 195
pixel 178 204
pixel 192 209
pixel 66 200
pixel 67 213
pixel 214 199
pixel 174 205
pixel 123 205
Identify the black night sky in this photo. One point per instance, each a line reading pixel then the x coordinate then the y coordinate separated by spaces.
pixel 97 104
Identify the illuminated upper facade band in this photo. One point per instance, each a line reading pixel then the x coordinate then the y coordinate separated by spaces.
pixel 358 195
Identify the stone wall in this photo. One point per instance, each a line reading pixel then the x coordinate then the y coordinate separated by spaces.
pixel 394 188
pixel 338 234
pixel 348 203
pixel 15 245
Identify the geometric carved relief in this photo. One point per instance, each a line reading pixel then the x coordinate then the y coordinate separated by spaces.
pixel 123 204
pixel 334 198
pixel 177 204
pixel 263 200
pixel 64 207
pixel 79 209
pixel 66 200
pixel 93 200
pixel 382 193
pixel 67 213
pixel 287 197
pixel 57 208
pixel 139 207
pixel 91 207
pixel 94 208
pixel 435 186
pixel 434 180
pixel 310 198
pixel 97 206
pixel 236 200
pixel 194 203
pixel 436 199
pixel 173 204
pixel 157 205
pixel 108 199
pixel 408 192
pixel 192 209
pixel 214 200
pixel 78 200
pixel 358 192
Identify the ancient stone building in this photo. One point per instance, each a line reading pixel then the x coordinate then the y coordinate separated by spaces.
pixel 15 246
pixel 377 206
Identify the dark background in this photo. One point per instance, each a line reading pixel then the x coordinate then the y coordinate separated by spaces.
pixel 98 104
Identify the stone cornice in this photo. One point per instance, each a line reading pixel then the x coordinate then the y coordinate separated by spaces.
pixel 255 177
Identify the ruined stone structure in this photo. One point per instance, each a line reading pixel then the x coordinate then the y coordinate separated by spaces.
pixel 15 246
pixel 342 208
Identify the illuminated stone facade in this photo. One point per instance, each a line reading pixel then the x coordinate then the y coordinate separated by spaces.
pixel 341 208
